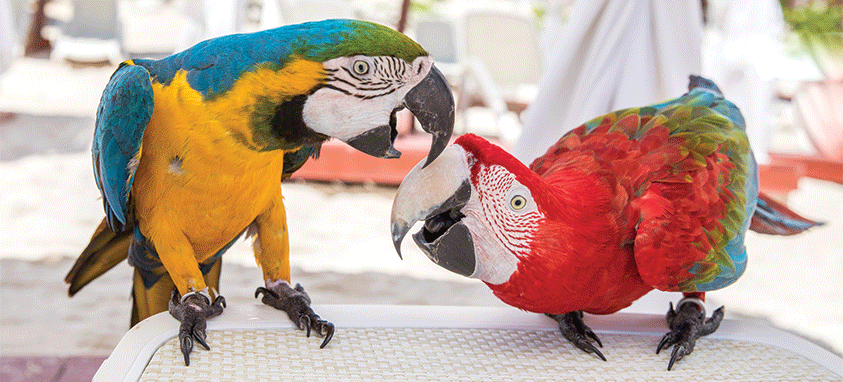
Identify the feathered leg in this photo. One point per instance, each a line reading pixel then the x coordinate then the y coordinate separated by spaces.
pixel 272 252
pixel 156 299
pixel 151 301
pixel 192 310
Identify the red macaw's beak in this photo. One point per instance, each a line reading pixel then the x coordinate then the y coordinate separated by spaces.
pixel 432 103
pixel 436 194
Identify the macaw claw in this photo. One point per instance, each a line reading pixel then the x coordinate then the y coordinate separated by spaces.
pixel 193 310
pixel 280 295
pixel 687 323
pixel 575 330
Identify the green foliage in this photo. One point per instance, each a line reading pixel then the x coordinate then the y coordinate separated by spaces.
pixel 423 7
pixel 817 23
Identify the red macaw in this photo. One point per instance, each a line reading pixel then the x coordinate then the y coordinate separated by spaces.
pixel 657 197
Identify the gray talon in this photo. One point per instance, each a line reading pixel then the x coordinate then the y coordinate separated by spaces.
pixel 687 323
pixel 296 303
pixel 575 330
pixel 193 310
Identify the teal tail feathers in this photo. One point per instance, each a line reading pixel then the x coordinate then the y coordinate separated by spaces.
pixel 773 218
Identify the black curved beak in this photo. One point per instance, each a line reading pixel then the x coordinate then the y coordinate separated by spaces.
pixel 432 102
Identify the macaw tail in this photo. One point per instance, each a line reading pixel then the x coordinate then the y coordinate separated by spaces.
pixel 106 249
pixel 773 218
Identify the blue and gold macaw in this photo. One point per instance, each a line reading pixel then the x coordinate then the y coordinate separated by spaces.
pixel 189 152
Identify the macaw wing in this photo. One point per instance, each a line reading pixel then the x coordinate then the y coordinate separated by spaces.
pixel 645 125
pixel 692 181
pixel 124 111
pixel 696 206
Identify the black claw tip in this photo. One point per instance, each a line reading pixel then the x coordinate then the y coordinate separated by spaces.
pixel 186 347
pixel 590 334
pixel 330 331
pixel 677 354
pixel 201 341
pixel 599 354
pixel 589 347
pixel 662 343
pixel 268 292
pixel 304 323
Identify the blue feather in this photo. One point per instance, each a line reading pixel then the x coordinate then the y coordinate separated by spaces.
pixel 123 113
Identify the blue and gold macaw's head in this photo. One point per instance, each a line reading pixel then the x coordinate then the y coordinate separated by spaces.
pixel 344 79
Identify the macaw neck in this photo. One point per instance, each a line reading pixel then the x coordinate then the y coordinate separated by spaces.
pixel 580 257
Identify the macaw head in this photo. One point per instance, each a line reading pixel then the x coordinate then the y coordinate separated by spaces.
pixel 481 208
pixel 372 72
pixel 307 82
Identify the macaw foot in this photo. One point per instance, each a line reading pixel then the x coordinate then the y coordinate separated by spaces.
pixel 687 323
pixel 574 329
pixel 193 310
pixel 280 295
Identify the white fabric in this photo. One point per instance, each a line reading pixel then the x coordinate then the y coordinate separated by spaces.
pixel 743 54
pixel 8 37
pixel 612 54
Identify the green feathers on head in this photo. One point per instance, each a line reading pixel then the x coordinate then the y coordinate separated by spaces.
pixel 329 39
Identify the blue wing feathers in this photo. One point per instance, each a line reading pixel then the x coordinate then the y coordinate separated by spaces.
pixel 124 111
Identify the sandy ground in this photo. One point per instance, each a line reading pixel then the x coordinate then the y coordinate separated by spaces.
pixel 342 252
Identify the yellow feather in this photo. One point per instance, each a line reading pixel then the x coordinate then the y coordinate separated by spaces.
pixel 197 186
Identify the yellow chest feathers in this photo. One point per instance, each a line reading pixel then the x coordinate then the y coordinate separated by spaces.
pixel 201 168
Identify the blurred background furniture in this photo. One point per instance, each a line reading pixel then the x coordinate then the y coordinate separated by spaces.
pixel 91 35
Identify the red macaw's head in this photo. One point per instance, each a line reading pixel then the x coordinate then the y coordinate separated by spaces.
pixel 479 207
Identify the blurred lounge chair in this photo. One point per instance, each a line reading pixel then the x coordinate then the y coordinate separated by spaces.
pixel 491 55
pixel 91 35
pixel 300 11
pixel 159 28
pixel 439 37
pixel 502 51
pixel 502 64
pixel 819 112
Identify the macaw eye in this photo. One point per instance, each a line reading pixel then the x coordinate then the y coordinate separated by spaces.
pixel 360 67
pixel 518 202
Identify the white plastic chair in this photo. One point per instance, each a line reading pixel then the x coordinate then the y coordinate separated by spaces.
pixel 412 343
pixel 440 37
pixel 91 35
pixel 502 62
